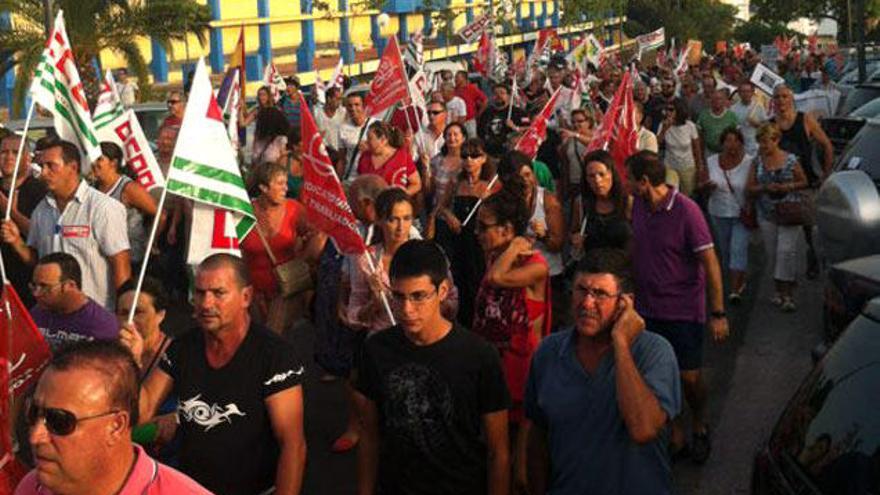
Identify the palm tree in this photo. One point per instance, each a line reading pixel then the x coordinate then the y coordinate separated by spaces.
pixel 94 26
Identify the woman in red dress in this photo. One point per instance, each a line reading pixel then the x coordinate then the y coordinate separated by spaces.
pixel 387 157
pixel 282 223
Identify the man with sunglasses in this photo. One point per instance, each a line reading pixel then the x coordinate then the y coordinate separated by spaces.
pixel 176 108
pixel 429 139
pixel 432 395
pixel 239 389
pixel 601 396
pixel 80 421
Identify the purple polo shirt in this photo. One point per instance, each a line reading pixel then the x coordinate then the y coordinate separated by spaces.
pixel 90 322
pixel 670 282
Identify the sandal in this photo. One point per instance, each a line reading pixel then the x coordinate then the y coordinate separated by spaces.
pixel 777 299
pixel 735 297
pixel 788 305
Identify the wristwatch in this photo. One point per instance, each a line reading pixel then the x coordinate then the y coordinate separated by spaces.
pixel 717 315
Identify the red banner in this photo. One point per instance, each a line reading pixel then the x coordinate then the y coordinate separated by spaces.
pixel 483 56
pixel 617 131
pixel 29 352
pixel 532 139
pixel 322 194
pixel 389 85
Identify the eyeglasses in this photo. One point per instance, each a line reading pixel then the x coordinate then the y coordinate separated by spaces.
pixel 172 102
pixel 465 156
pixel 579 121
pixel 435 112
pixel 597 294
pixel 37 288
pixel 59 422
pixel 417 298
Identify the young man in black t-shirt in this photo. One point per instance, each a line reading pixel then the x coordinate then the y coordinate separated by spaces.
pixel 239 389
pixel 434 399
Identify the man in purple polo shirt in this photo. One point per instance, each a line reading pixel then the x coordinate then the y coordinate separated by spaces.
pixel 674 257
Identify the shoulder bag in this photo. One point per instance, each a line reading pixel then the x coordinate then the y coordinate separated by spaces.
pixel 293 276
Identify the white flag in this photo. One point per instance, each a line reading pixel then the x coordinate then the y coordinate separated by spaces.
pixel 118 125
pixel 58 88
pixel 337 80
pixel 273 79
pixel 204 166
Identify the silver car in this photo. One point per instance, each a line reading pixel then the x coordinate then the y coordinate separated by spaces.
pixel 848 204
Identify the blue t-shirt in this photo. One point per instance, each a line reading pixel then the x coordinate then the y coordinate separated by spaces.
pixel 589 446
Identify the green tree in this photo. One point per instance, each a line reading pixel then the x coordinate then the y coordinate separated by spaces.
pixel 785 11
pixel 758 32
pixel 705 20
pixel 94 26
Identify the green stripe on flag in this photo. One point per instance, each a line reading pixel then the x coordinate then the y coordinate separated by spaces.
pixel 76 121
pixel 103 120
pixel 211 197
pixel 208 172
pixel 244 226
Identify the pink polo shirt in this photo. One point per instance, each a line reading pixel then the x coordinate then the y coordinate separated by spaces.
pixel 149 477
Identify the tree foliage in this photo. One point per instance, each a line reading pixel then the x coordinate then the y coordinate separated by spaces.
pixel 94 26
pixel 757 32
pixel 785 11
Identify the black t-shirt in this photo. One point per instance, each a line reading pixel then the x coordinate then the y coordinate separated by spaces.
pixel 30 193
pixel 492 127
pixel 227 443
pixel 431 400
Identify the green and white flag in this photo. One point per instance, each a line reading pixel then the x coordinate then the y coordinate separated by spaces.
pixel 204 169
pixel 57 88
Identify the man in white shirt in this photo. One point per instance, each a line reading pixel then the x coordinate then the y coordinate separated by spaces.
pixel 429 140
pixel 330 117
pixel 456 109
pixel 128 90
pixel 353 135
pixel 750 114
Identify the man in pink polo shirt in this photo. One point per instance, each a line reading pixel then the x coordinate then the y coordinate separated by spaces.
pixel 80 421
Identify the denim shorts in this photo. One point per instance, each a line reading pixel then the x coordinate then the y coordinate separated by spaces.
pixel 686 338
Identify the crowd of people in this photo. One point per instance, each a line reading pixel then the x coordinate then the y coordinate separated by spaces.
pixel 518 324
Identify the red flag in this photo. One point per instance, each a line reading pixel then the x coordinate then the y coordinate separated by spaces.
pixel 389 85
pixel 532 139
pixel 322 193
pixel 617 133
pixel 813 43
pixel 739 50
pixel 483 56
pixel 29 352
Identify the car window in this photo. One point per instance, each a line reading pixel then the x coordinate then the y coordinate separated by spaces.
pixel 863 153
pixel 868 110
pixel 830 431
pixel 857 98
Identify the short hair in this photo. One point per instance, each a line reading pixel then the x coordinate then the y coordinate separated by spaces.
pixel 646 164
pixel 113 152
pixel 608 260
pixel 226 260
pixel 151 286
pixel 388 198
pixel 419 257
pixel 681 111
pixel 69 151
pixel 114 362
pixel 333 92
pixel 265 172
pixel 732 130
pixel 367 186
pixel 768 130
pixel 389 132
pixel 502 85
pixel 70 269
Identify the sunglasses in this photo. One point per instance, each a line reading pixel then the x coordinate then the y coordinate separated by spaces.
pixel 435 112
pixel 59 422
pixel 172 102
pixel 465 156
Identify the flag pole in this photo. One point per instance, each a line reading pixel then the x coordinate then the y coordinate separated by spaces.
pixel 27 124
pixel 480 201
pixel 512 98
pixel 149 247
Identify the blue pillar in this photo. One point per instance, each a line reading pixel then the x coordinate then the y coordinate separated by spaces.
pixel 265 32
pixel 428 24
pixel 469 12
pixel 532 15
pixel 159 65
pixel 376 35
pixel 403 27
pixel 346 47
pixel 216 55
pixel 609 31
pixel 7 80
pixel 441 36
pixel 542 19
pixel 305 54
pixel 520 21
pixel 555 15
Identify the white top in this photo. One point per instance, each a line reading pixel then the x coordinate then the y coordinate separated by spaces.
pixel 554 260
pixel 425 141
pixel 350 136
pixel 456 109
pixel 91 228
pixel 647 140
pixel 127 92
pixel 329 126
pixel 679 152
pixel 722 202
pixel 750 117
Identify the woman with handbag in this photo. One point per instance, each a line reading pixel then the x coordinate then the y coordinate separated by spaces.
pixel 280 251
pixel 725 181
pixel 775 180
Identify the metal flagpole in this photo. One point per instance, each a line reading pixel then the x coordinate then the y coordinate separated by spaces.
pixel 512 98
pixel 143 271
pixel 480 201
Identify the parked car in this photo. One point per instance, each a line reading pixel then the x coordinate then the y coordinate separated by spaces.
pixel 849 285
pixel 827 440
pixel 848 203
pixel 840 129
pixel 861 94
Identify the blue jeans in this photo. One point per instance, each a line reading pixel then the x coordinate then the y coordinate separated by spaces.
pixel 732 239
